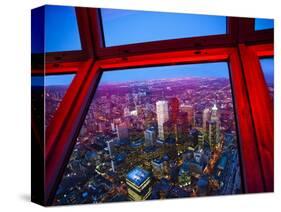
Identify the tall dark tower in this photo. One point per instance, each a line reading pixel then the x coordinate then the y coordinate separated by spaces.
pixel 174 108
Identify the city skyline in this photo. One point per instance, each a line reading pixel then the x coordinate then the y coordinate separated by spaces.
pixel 215 70
pixel 212 70
pixel 139 139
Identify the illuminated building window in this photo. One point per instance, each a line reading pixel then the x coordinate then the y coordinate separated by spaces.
pixel 55 89
pixel 267 65
pixel 132 122
pixel 155 26
pixel 262 23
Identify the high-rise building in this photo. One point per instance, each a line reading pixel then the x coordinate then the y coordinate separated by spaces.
pixel 162 117
pixel 157 168
pixel 169 130
pixel 110 146
pixel 174 109
pixel 212 133
pixel 200 140
pixel 122 131
pixel 181 127
pixel 214 113
pixel 138 182
pixel 190 113
pixel 198 121
pixel 112 166
pixel 214 127
pixel 150 136
pixel 205 118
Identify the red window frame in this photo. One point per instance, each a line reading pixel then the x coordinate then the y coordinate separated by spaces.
pixel 240 47
pixel 249 35
pixel 261 106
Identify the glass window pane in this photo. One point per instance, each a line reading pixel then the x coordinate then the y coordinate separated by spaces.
pixel 267 65
pixel 262 23
pixel 61 29
pixel 55 89
pixel 161 124
pixel 123 27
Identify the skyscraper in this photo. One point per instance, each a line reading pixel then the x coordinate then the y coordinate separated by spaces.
pixel 162 117
pixel 181 127
pixel 122 131
pixel 214 127
pixel 214 113
pixel 169 130
pixel 205 118
pixel 110 146
pixel 190 113
pixel 149 136
pixel 174 109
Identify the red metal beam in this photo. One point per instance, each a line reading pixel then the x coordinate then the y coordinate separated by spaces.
pixel 250 159
pixel 261 107
pixel 248 35
pixel 58 68
pixel 60 134
pixel 167 58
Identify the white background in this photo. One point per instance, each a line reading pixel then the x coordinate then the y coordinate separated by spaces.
pixel 15 104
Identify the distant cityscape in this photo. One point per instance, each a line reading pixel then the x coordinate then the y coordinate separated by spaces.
pixel 53 97
pixel 152 139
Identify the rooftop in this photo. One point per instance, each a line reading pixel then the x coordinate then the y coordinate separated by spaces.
pixel 157 161
pixel 138 175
